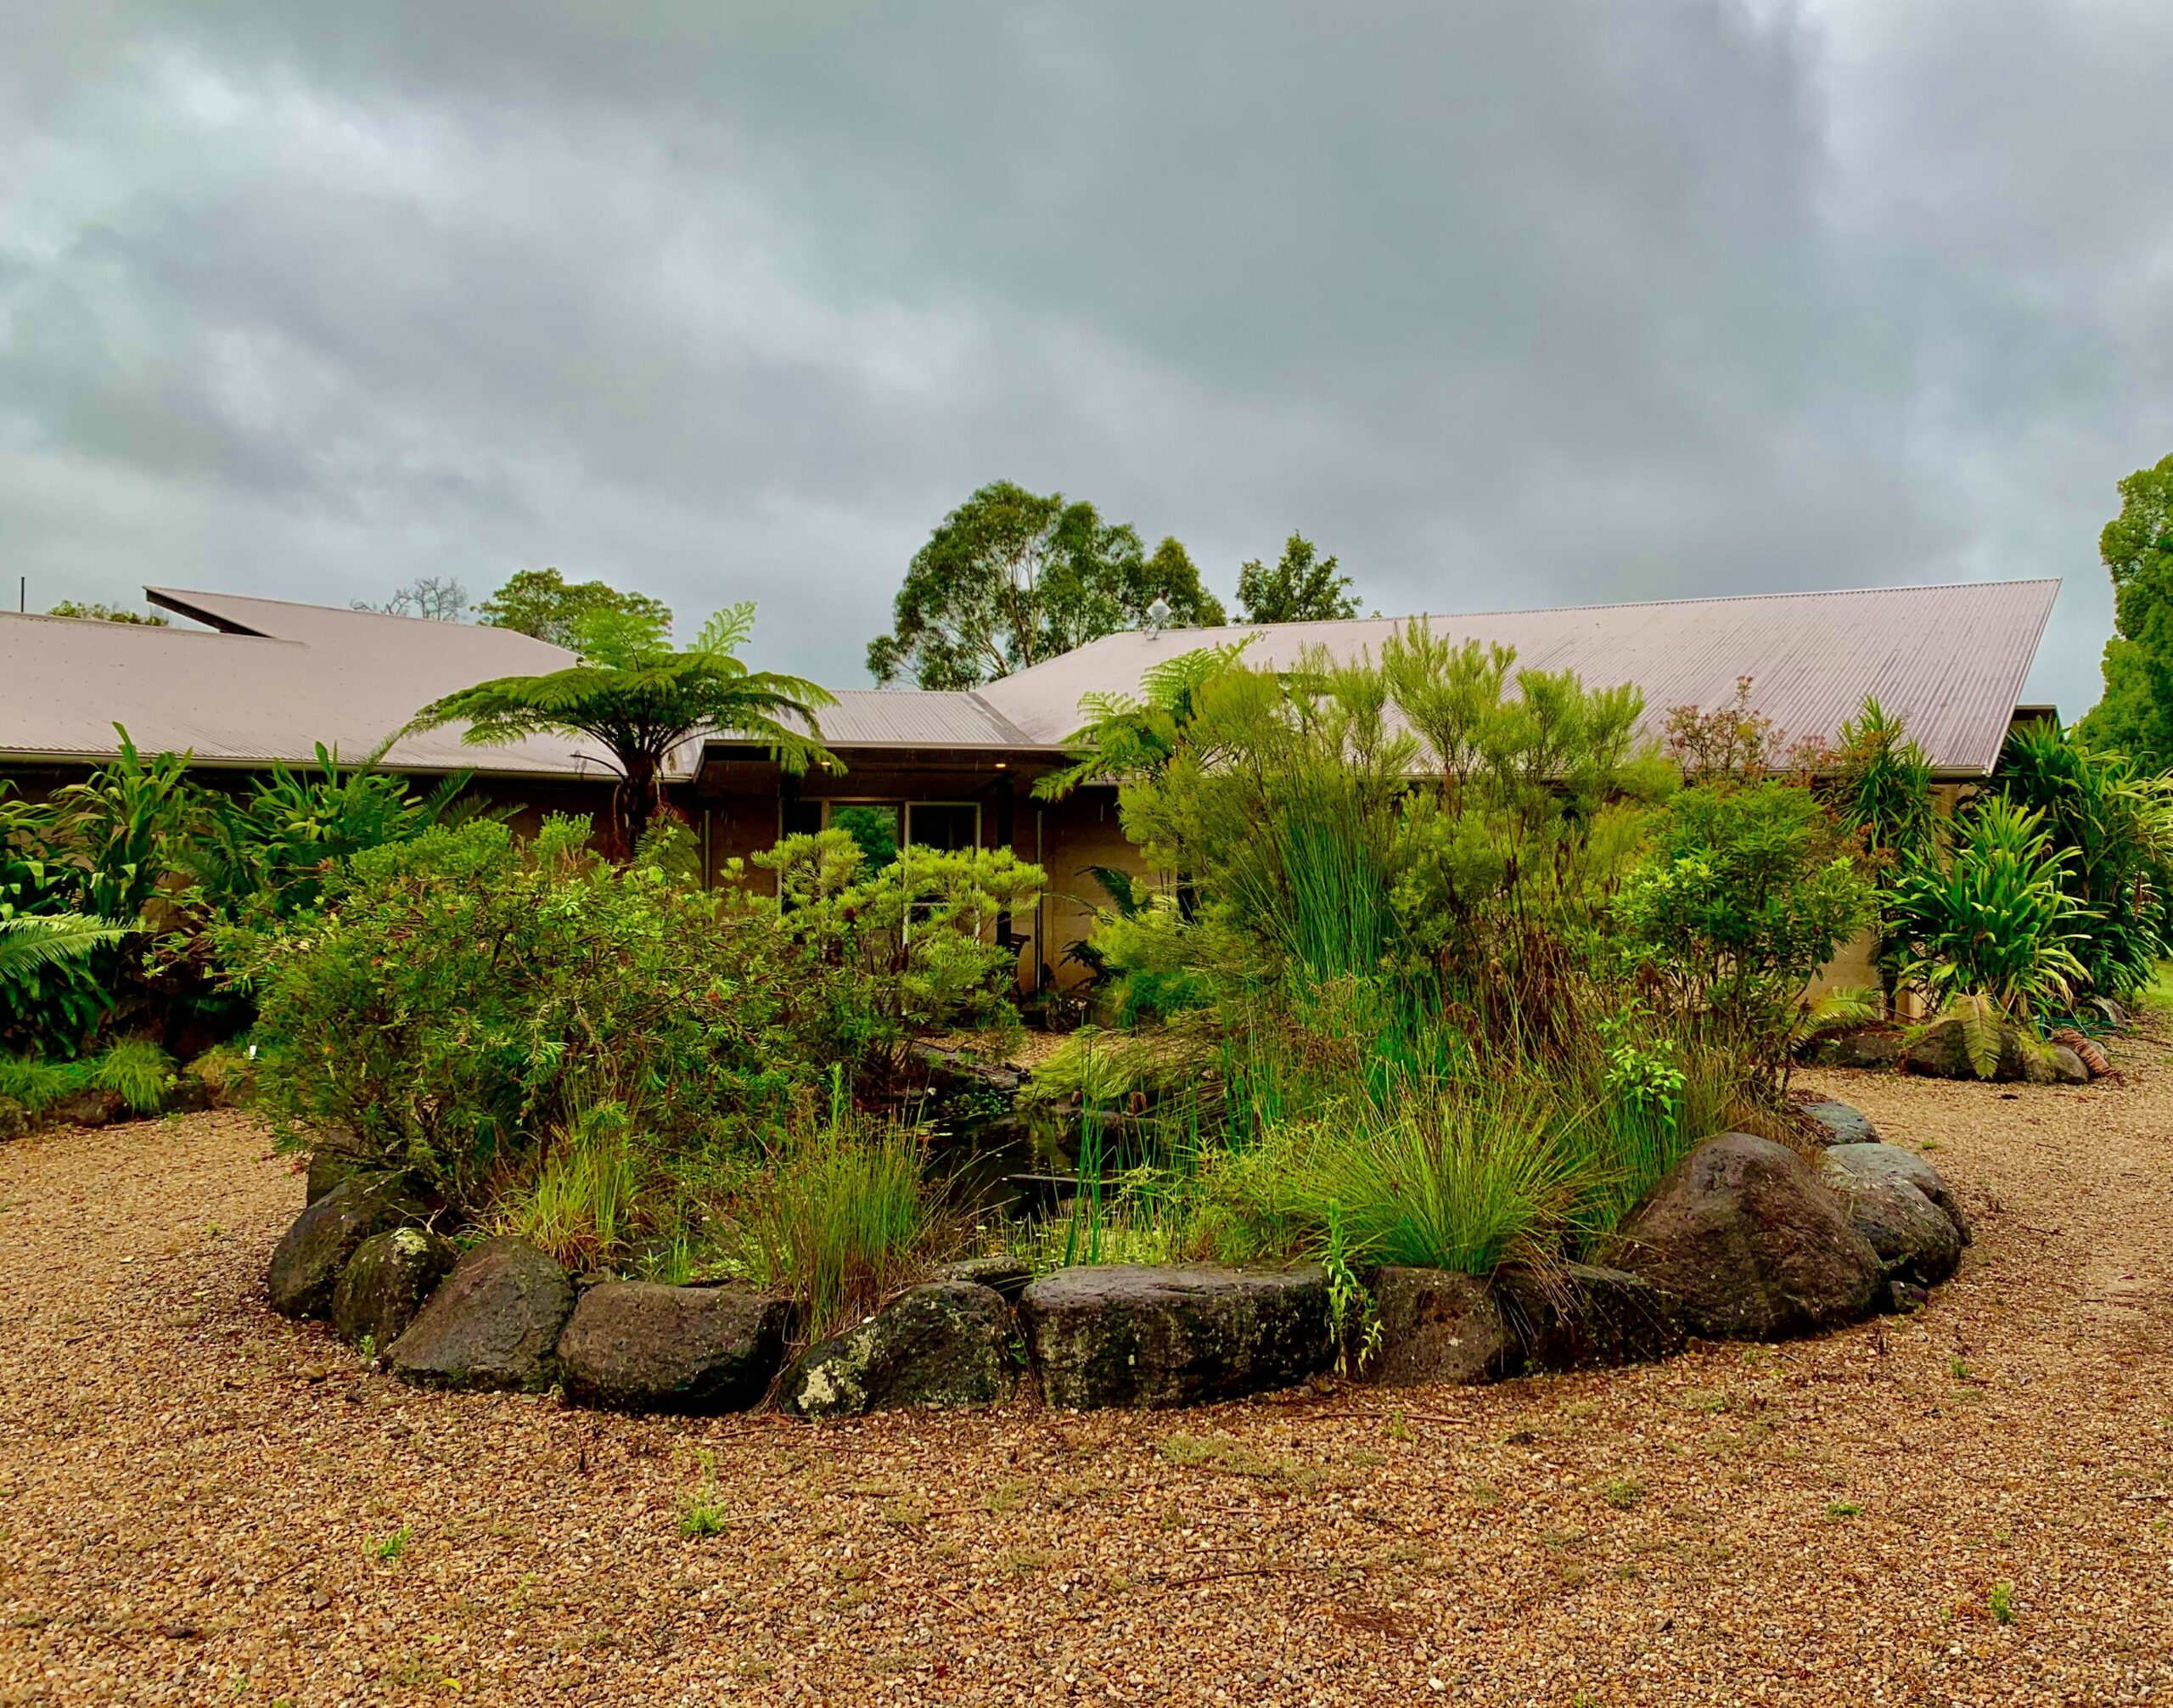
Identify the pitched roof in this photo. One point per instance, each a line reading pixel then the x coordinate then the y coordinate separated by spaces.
pixel 1950 660
pixel 277 679
pixel 280 677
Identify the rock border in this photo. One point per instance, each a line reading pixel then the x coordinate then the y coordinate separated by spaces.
pixel 1743 1240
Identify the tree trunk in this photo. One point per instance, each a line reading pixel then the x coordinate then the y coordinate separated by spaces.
pixel 636 803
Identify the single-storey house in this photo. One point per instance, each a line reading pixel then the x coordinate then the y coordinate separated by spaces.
pixel 268 679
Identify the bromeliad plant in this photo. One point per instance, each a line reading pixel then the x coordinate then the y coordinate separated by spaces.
pixel 1993 917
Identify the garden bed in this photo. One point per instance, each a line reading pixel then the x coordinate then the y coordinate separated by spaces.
pixel 1746 1238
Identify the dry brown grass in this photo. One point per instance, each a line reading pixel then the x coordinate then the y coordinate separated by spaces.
pixel 195 1496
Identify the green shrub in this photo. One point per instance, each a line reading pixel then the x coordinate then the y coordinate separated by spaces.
pixel 919 931
pixel 1747 892
pixel 461 996
pixel 1993 916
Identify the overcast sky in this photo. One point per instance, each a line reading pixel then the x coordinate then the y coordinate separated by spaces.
pixel 1528 302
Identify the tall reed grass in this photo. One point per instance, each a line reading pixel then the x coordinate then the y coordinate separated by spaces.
pixel 839 1220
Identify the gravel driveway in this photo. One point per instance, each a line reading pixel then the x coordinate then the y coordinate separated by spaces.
pixel 202 1504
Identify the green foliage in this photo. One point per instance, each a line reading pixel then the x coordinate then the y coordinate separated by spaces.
pixel 1303 588
pixel 1881 787
pixel 840 1219
pixel 32 941
pixel 2136 715
pixel 1993 916
pixel 274 846
pixel 634 694
pixel 460 996
pixel 107 614
pixel 874 832
pixel 919 930
pixel 1012 577
pixel 35 1084
pixel 1128 736
pixel 138 1070
pixel 100 849
pixel 544 604
pixel 1746 893
pixel 2114 824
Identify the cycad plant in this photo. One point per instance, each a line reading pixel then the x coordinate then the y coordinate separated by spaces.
pixel 1992 917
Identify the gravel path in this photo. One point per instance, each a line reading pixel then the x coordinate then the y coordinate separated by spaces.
pixel 202 1504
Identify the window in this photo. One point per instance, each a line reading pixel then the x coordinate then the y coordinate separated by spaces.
pixel 946 826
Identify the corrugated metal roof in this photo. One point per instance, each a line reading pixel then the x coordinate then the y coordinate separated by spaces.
pixel 1950 660
pixel 304 674
pixel 916 717
pixel 284 676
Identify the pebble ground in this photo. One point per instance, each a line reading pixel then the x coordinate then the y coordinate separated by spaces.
pixel 202 1504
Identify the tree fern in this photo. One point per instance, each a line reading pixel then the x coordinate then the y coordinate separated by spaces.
pixel 47 939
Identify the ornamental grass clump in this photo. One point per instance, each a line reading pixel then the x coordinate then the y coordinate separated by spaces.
pixel 839 1219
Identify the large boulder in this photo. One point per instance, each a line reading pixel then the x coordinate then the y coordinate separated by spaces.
pixel 1891 1160
pixel 1873 1046
pixel 494 1322
pixel 1126 1336
pixel 386 1283
pixel 1840 1123
pixel 1915 1239
pixel 2068 1067
pixel 1941 1051
pixel 306 1262
pixel 90 1107
pixel 337 1155
pixel 1749 1243
pixel 1585 1317
pixel 1436 1325
pixel 644 1347
pixel 946 1343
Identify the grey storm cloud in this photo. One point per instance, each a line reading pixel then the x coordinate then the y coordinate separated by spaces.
pixel 1506 304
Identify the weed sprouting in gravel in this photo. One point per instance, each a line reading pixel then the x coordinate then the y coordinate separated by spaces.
pixel 1623 1494
pixel 390 1547
pixel 701 1513
pixel 2000 1600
